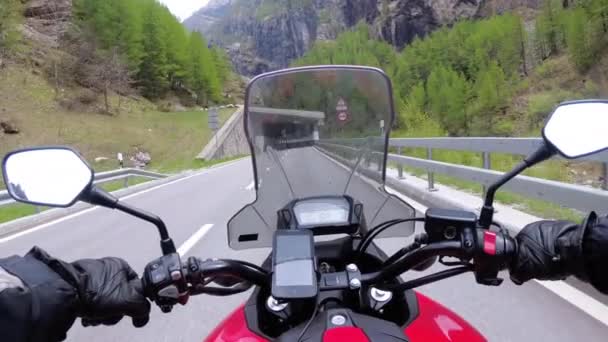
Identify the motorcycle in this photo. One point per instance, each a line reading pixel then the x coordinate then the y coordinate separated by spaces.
pixel 319 143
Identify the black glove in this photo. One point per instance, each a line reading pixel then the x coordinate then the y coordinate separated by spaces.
pixel 108 289
pixel 549 250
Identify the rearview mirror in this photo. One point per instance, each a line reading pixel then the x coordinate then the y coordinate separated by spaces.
pixel 576 129
pixel 48 176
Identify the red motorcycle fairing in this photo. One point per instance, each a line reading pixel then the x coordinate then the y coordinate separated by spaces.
pixel 434 323
pixel 234 329
pixel 349 334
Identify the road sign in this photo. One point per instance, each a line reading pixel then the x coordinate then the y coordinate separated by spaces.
pixel 213 119
pixel 342 110
pixel 341 106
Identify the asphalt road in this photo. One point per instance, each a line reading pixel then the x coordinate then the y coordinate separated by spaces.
pixel 505 313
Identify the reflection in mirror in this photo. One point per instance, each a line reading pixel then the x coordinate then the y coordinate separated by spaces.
pixel 577 129
pixel 53 177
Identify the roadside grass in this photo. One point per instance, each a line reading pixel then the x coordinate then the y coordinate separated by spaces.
pixel 28 101
pixel 172 139
pixel 119 184
pixel 14 211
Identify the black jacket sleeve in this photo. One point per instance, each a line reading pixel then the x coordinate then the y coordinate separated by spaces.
pixel 41 308
pixel 595 249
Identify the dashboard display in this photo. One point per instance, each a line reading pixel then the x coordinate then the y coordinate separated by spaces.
pixel 322 212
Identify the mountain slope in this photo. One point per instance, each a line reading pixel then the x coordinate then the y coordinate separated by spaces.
pixel 262 35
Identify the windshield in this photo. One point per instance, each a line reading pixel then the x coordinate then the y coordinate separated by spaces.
pixel 317 132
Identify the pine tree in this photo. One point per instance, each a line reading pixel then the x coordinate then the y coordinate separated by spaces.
pixel 153 71
pixel 578 34
pixel 548 31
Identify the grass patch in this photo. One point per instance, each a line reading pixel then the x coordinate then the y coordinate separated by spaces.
pixel 14 211
pixel 119 184
pixel 172 139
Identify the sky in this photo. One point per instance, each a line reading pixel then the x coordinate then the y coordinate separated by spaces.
pixel 184 8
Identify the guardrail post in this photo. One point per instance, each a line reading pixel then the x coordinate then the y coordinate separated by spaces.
pixel 37 208
pixel 605 176
pixel 399 166
pixel 126 182
pixel 487 164
pixel 431 175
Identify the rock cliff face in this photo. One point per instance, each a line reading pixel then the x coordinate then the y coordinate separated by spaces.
pixel 262 35
pixel 46 20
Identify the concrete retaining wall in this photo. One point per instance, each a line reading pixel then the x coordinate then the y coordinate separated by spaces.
pixel 230 140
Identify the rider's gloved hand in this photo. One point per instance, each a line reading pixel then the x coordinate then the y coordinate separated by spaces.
pixel 548 250
pixel 108 289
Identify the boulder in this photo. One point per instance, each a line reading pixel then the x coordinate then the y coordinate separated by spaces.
pixel 9 127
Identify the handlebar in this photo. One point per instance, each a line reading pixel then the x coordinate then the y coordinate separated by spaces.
pixel 168 281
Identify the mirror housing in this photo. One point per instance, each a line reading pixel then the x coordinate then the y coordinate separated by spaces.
pixel 47 176
pixel 578 128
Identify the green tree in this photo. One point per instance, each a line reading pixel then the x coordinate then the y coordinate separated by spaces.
pixel 447 93
pixel 156 45
pixel 202 77
pixel 578 38
pixel 549 35
pixel 153 71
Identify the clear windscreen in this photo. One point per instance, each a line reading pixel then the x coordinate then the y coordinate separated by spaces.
pixel 317 132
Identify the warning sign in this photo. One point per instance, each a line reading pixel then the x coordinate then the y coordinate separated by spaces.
pixel 342 110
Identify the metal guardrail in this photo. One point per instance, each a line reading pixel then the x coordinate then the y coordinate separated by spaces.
pixel 572 196
pixel 101 178
pixel 577 197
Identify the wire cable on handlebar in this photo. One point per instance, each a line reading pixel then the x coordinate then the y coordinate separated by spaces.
pixel 431 278
pixel 371 235
pixel 248 264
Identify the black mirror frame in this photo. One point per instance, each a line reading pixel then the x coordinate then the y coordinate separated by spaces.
pixel 567 103
pixel 76 199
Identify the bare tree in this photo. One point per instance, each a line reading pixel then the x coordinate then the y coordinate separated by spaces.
pixel 109 73
pixel 90 67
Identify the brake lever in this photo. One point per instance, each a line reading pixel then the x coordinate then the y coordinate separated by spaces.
pixel 452 263
pixel 219 291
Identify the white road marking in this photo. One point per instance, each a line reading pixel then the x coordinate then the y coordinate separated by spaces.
pixel 578 298
pixel 45 225
pixel 250 186
pixel 186 246
pixel 68 217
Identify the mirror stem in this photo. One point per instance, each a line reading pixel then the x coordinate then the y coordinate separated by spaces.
pixel 98 196
pixel 543 153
